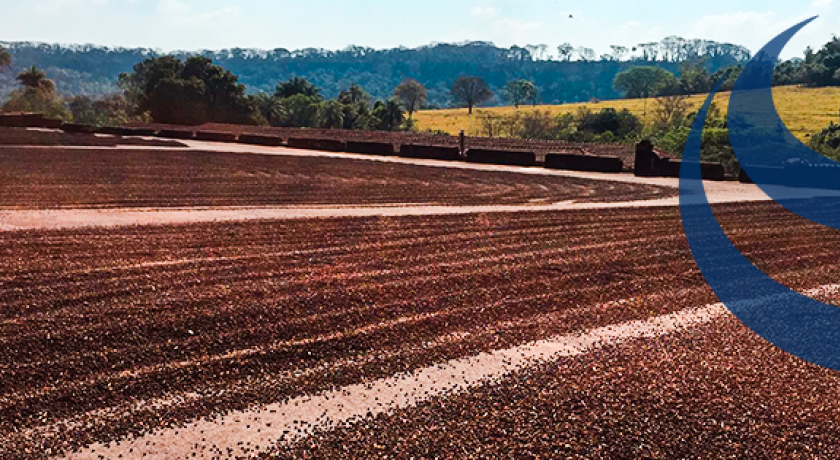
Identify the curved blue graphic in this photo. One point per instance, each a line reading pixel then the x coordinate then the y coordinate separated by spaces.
pixel 793 322
pixel 770 154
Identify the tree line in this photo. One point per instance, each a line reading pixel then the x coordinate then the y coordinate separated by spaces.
pixel 571 74
pixel 196 91
pixel 168 89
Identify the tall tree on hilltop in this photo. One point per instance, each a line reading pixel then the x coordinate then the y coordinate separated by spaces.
pixel 471 91
pixel 565 51
pixel 411 94
pixel 618 52
pixel 586 54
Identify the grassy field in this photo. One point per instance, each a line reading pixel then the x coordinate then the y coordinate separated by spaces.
pixel 804 110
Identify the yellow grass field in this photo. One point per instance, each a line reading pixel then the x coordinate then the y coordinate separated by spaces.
pixel 804 110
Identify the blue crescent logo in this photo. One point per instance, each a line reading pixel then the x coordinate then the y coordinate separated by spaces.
pixel 765 148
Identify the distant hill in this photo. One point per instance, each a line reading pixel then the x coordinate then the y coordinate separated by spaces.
pixel 94 70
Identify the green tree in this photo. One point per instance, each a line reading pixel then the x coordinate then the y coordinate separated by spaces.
pixel 643 82
pixel 471 91
pixel 411 94
pixel 565 51
pixel 827 141
pixel 37 101
pixel 269 107
pixel 35 78
pixel 354 95
pixel 331 115
pixel 180 101
pixel 356 105
pixel 295 86
pixel 728 76
pixel 670 111
pixel 82 109
pixel 787 73
pixel 300 111
pixel 622 124
pixel 108 110
pixel 138 85
pixel 191 92
pixel 224 96
pixel 519 91
pixel 694 78
pixel 586 54
pixel 820 68
pixel 91 70
pixel 5 59
pixel 390 114
pixel 37 95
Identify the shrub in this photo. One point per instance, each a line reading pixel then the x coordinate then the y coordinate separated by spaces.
pixel 622 124
pixel 827 141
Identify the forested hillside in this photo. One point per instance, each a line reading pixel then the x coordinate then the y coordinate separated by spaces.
pixel 574 75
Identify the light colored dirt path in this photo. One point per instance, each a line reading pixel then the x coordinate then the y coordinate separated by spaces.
pixel 73 218
pixel 11 219
pixel 265 426
pixel 718 192
pixel 260 428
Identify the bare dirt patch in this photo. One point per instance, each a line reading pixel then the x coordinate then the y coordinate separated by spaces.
pixel 717 391
pixel 97 178
pixel 22 136
pixel 115 332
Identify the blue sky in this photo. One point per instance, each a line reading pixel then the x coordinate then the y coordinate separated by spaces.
pixel 214 24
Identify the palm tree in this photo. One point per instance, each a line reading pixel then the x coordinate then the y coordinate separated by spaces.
pixel 353 95
pixel 271 108
pixel 296 85
pixel 35 78
pixel 5 59
pixel 332 115
pixel 391 114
